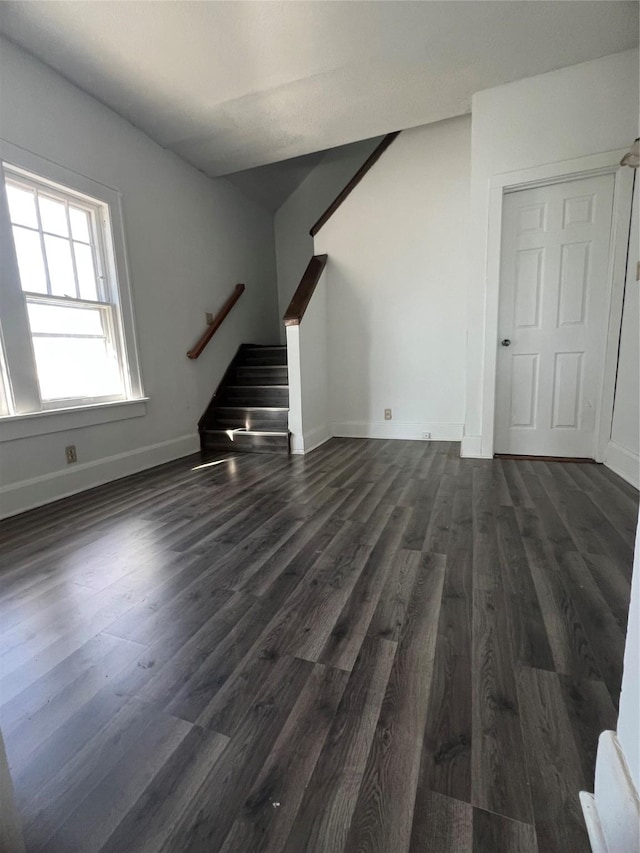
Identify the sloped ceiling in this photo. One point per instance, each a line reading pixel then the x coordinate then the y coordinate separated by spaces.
pixel 233 85
pixel 271 185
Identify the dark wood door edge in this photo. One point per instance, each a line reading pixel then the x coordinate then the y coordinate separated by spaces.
pixel 355 180
pixel 304 291
pixel 584 460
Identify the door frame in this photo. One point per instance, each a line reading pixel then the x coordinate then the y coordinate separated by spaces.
pixel 606 163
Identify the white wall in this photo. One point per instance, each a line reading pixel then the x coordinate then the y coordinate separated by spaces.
pixel 612 812
pixel 629 716
pixel 294 245
pixel 567 114
pixel 623 451
pixel 397 276
pixel 307 357
pixel 189 241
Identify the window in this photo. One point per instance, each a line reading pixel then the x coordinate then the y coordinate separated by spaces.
pixel 67 332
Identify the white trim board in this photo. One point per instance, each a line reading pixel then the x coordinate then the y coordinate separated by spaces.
pixel 308 441
pixel 16 427
pixel 623 462
pixel 605 163
pixel 398 429
pixel 592 821
pixel 471 447
pixel 612 814
pixel 28 494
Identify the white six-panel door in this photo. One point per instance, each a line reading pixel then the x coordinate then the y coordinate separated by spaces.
pixel 553 302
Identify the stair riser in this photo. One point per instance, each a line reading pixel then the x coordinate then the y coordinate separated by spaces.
pixel 252 423
pixel 272 356
pixel 266 375
pixel 275 360
pixel 249 410
pixel 247 443
pixel 256 397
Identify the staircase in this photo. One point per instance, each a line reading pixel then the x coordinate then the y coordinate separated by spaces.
pixel 250 409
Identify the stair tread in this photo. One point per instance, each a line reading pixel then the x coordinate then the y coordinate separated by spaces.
pixel 240 431
pixel 249 410
pixel 254 408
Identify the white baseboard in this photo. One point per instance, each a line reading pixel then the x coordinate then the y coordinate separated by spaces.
pixel 398 429
pixel 592 821
pixel 471 448
pixel 612 815
pixel 296 445
pixel 623 462
pixel 301 444
pixel 38 491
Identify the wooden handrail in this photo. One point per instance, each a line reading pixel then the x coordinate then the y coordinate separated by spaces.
pixel 304 291
pixel 217 321
pixel 375 155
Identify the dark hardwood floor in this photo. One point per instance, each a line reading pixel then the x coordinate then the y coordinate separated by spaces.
pixel 377 647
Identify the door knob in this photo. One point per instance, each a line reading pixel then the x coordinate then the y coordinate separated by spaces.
pixel 505 342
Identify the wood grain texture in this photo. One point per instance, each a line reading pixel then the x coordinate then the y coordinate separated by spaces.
pixel 493 833
pixel 325 814
pixel 302 297
pixel 382 818
pixel 553 762
pixel 441 825
pixel 376 647
pixel 217 321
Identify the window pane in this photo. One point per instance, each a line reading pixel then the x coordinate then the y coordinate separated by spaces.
pixel 53 216
pixel 60 266
pixel 30 263
pixel 60 320
pixel 79 224
pixel 22 206
pixel 76 368
pixel 86 271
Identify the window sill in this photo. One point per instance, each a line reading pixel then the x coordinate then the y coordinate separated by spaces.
pixel 14 427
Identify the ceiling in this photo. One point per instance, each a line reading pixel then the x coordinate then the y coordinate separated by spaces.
pixel 271 185
pixel 233 85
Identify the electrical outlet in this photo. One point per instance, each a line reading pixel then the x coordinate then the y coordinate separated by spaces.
pixel 426 435
pixel 70 453
pixel 209 318
pixel 387 414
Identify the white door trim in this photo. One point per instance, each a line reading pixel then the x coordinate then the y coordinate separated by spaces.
pixel 595 164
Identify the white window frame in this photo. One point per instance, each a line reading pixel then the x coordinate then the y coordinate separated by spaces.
pixel 17 361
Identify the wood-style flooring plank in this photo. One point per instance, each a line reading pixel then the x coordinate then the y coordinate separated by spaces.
pixel 151 817
pixel 343 644
pixel 446 750
pixel 382 817
pixel 528 633
pixel 378 646
pixel 570 646
pixel 591 712
pixel 209 816
pixel 493 833
pixel 499 781
pixel 272 804
pixel 555 771
pixel 324 816
pixel 98 812
pixel 441 825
